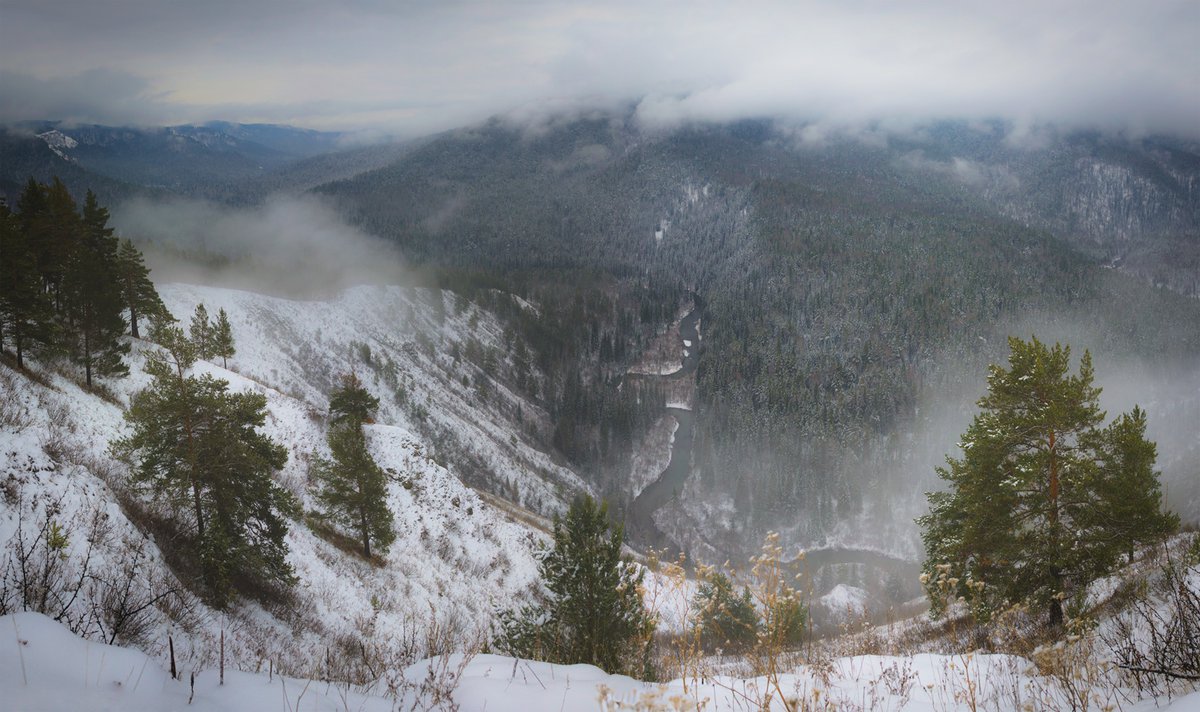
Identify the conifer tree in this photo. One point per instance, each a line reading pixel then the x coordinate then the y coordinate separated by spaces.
pixel 351 401
pixel 201 331
pixel 198 446
pixel 1043 499
pixel 353 488
pixel 725 619
pixel 593 611
pixel 56 234
pixel 222 338
pixel 137 291
pixel 26 315
pixel 93 297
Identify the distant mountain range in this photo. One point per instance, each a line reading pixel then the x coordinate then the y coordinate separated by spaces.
pixel 857 286
pixel 217 160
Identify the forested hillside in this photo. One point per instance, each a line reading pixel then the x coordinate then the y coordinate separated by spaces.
pixel 855 288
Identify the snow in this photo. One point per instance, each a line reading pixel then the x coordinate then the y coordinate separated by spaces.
pixel 44 667
pixel 652 454
pixel 456 558
pixel 848 601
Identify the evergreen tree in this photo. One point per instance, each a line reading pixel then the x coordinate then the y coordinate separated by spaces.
pixel 26 314
pixel 593 611
pixel 198 446
pixel 93 297
pixel 222 338
pixel 725 619
pixel 352 402
pixel 56 232
pixel 137 291
pixel 1127 479
pixel 201 331
pixel 353 488
pixel 1043 499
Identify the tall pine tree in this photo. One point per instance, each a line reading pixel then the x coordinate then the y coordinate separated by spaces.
pixel 353 488
pixel 26 314
pixel 56 231
pixel 222 338
pixel 1044 499
pixel 137 291
pixel 93 297
pixel 200 331
pixel 198 446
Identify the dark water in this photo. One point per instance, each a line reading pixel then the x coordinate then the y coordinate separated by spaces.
pixel 670 483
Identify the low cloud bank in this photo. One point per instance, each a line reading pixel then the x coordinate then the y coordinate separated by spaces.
pixel 292 246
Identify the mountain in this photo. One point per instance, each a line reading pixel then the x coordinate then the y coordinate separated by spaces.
pixel 24 155
pixel 460 550
pixel 856 289
pixel 211 161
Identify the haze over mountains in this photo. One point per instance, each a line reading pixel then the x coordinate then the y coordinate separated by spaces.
pixel 823 402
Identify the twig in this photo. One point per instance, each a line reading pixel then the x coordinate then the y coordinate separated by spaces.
pixel 1158 671
pixel 20 653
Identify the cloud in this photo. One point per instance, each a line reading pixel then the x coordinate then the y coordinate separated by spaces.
pixel 419 67
pixel 296 246
pixel 94 96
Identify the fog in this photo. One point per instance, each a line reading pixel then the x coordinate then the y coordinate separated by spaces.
pixel 288 246
pixel 415 68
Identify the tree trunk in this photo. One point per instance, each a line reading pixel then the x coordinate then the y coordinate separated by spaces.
pixel 1056 613
pixel 87 357
pixel 133 320
pixel 366 534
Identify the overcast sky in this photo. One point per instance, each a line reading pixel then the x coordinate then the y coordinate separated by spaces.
pixel 416 67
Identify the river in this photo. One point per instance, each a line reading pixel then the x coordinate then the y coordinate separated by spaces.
pixel 670 483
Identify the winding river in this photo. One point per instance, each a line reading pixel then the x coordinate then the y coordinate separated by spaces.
pixel 670 483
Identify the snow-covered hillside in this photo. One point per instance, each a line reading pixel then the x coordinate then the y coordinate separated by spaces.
pixel 45 668
pixel 456 557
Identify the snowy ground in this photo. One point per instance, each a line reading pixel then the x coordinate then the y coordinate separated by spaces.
pixel 44 667
pixel 652 455
pixel 456 558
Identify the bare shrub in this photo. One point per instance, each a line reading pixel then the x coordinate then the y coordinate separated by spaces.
pixel 1158 644
pixel 15 414
pixel 40 573
pixel 124 601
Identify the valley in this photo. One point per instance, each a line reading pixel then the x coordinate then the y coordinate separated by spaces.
pixel 728 338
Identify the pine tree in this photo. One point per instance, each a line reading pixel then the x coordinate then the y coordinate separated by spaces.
pixel 352 401
pixel 198 446
pixel 1127 479
pixel 93 297
pixel 1043 499
pixel 56 232
pixel 725 619
pixel 201 331
pixel 26 314
pixel 353 488
pixel 222 338
pixel 593 611
pixel 137 291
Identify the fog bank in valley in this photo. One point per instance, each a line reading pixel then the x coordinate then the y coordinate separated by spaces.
pixel 290 246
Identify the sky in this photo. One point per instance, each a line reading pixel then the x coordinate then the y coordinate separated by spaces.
pixel 410 68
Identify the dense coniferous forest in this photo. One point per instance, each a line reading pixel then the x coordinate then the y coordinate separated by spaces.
pixel 70 287
pixel 847 284
pixel 855 287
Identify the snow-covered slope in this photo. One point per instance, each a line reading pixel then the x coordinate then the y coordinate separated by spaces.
pixel 411 347
pixel 455 560
pixel 45 668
